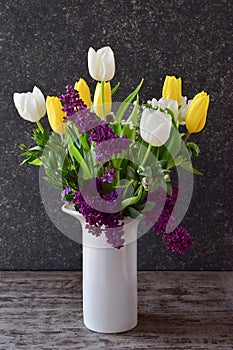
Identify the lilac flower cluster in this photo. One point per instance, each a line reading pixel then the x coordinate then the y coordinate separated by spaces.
pixel 66 191
pixel 72 101
pixel 109 176
pixel 86 121
pixel 102 133
pixel 104 151
pixel 178 240
pixel 99 221
pixel 111 224
pixel 99 130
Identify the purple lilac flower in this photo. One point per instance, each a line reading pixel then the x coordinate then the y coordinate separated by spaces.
pixel 104 151
pixel 86 121
pixel 179 240
pixel 66 191
pixel 102 133
pixel 110 197
pixel 109 176
pixel 98 221
pixel 114 237
pixel 72 101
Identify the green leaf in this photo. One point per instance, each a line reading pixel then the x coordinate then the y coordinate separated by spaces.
pixel 22 147
pixel 53 183
pixel 186 164
pixel 125 104
pixel 74 152
pixel 193 148
pixel 84 143
pixel 145 207
pixel 132 200
pixel 27 160
pixel 115 88
pixel 134 115
pixel 36 162
pixel 132 213
pixel 41 138
pixel 131 173
pixel 116 127
pixel 172 146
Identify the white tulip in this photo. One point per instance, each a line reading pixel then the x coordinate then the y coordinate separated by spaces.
pixel 155 127
pixel 101 63
pixel 30 105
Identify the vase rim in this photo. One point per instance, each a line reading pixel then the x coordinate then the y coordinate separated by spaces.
pixel 130 226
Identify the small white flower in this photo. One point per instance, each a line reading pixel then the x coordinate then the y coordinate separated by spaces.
pixel 101 63
pixel 153 103
pixel 30 105
pixel 131 125
pixel 183 110
pixel 155 127
pixel 164 103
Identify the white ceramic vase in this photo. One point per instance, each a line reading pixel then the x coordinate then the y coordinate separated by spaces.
pixel 109 280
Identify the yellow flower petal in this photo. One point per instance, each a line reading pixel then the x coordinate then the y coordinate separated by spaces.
pixel 97 104
pixel 197 112
pixel 172 88
pixel 55 114
pixel 84 91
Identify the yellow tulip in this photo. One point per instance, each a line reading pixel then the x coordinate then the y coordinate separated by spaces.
pixel 84 91
pixel 172 88
pixel 55 114
pixel 97 104
pixel 197 112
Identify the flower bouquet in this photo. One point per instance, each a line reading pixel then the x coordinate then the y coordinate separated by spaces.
pixel 113 163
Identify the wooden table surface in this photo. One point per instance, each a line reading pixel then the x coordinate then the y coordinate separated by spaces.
pixel 177 310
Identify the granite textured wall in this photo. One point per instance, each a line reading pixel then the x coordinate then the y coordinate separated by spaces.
pixel 45 43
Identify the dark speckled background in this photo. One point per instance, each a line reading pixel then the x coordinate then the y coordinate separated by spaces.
pixel 45 43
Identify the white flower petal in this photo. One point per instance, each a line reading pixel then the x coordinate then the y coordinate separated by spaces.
pixel 30 105
pixel 155 127
pixel 101 64
pixel 40 101
pixel 108 65
pixel 93 64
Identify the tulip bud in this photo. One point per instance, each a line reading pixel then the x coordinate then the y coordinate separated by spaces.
pixel 84 92
pixel 55 114
pixel 155 127
pixel 101 63
pixel 30 105
pixel 97 104
pixel 197 112
pixel 172 88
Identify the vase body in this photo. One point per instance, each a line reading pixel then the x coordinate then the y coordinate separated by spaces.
pixel 109 281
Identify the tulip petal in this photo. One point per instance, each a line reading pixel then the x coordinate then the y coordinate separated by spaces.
pixel 40 101
pixel 108 65
pixel 30 105
pixel 30 109
pixel 101 64
pixel 93 64
pixel 19 102
pixel 155 127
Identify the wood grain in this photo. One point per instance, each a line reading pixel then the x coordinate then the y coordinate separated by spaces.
pixel 177 310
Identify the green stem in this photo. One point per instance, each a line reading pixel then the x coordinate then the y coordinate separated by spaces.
pixel 40 126
pixel 102 100
pixel 147 154
pixel 186 136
